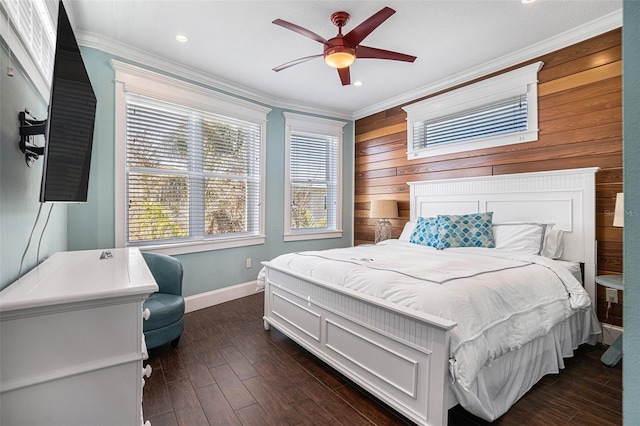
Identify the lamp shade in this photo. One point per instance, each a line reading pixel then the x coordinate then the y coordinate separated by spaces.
pixel 338 54
pixel 383 209
pixel 339 59
pixel 618 216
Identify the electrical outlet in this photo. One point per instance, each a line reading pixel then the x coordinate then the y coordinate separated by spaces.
pixel 612 295
pixel 249 266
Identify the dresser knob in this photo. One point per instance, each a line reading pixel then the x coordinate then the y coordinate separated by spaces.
pixel 146 313
pixel 145 353
pixel 147 370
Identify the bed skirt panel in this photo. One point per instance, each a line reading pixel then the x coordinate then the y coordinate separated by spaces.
pixel 505 381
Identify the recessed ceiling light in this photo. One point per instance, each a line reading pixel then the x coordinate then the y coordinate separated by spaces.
pixel 527 1
pixel 357 83
pixel 182 38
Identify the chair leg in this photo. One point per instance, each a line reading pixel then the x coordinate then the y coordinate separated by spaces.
pixel 174 342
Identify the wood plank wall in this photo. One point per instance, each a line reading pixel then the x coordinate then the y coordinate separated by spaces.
pixel 580 122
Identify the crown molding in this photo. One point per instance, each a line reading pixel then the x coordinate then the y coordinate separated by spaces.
pixel 583 32
pixel 140 57
pixel 123 51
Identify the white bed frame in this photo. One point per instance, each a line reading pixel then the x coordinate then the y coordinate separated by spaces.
pixel 401 355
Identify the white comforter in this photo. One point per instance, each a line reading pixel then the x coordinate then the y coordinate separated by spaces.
pixel 499 300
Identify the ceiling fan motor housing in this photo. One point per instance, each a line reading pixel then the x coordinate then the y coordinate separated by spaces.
pixel 338 48
pixel 337 52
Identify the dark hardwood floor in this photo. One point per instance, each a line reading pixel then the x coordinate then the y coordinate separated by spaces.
pixel 228 371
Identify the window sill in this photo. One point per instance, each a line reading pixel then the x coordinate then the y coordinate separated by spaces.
pixel 197 247
pixel 472 145
pixel 312 235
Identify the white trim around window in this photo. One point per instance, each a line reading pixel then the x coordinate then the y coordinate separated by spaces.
pixel 469 100
pixel 28 29
pixel 317 129
pixel 132 79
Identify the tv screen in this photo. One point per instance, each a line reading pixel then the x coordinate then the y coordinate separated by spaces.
pixel 69 128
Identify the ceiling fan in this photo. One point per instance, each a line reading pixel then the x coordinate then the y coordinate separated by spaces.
pixel 342 50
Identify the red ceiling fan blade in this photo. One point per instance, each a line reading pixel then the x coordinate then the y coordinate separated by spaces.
pixel 296 62
pixel 297 28
pixel 356 35
pixel 375 53
pixel 345 76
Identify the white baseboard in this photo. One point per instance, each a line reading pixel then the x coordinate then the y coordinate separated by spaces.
pixel 610 333
pixel 215 297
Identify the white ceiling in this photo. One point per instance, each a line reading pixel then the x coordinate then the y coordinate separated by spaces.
pixel 235 45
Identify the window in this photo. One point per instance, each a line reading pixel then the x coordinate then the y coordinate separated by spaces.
pixel 193 173
pixel 313 178
pixel 505 116
pixel 498 111
pixel 35 29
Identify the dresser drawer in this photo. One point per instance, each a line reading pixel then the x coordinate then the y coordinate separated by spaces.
pixel 103 397
pixel 66 341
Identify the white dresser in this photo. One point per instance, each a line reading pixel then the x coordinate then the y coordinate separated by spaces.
pixel 71 342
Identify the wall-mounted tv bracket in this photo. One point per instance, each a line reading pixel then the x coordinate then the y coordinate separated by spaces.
pixel 29 127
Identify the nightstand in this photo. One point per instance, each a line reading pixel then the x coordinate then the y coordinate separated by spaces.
pixel 614 354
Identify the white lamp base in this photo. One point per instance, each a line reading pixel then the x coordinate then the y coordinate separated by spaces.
pixel 383 230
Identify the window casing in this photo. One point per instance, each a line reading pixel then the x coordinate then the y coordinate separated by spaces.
pixel 313 178
pixel 31 38
pixel 192 165
pixel 501 110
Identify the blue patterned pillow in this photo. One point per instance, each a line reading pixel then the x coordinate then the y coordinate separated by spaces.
pixel 469 230
pixel 426 232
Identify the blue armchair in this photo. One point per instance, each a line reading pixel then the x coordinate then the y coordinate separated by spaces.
pixel 166 322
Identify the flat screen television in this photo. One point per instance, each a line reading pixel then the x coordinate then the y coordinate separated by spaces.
pixel 69 127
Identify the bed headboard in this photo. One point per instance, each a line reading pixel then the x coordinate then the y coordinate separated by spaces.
pixel 563 197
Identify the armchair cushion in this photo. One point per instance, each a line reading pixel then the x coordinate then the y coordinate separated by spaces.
pixel 165 309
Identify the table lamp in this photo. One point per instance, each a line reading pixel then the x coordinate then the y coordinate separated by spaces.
pixel 383 210
pixel 618 215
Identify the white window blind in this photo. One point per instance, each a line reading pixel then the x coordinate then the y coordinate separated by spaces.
pixel 191 175
pixel 314 181
pixel 497 118
pixel 34 25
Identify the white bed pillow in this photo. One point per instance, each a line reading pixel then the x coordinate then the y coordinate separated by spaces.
pixel 521 237
pixel 573 267
pixel 407 230
pixel 553 244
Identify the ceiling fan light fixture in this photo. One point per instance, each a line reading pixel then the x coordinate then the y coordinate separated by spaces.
pixel 342 50
pixel 339 56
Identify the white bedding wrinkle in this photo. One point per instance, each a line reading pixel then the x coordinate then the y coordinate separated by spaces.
pixel 500 300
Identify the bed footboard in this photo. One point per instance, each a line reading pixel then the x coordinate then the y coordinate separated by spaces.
pixel 397 354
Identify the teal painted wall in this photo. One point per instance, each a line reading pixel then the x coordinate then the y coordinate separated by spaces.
pixel 19 184
pixel 92 225
pixel 631 108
